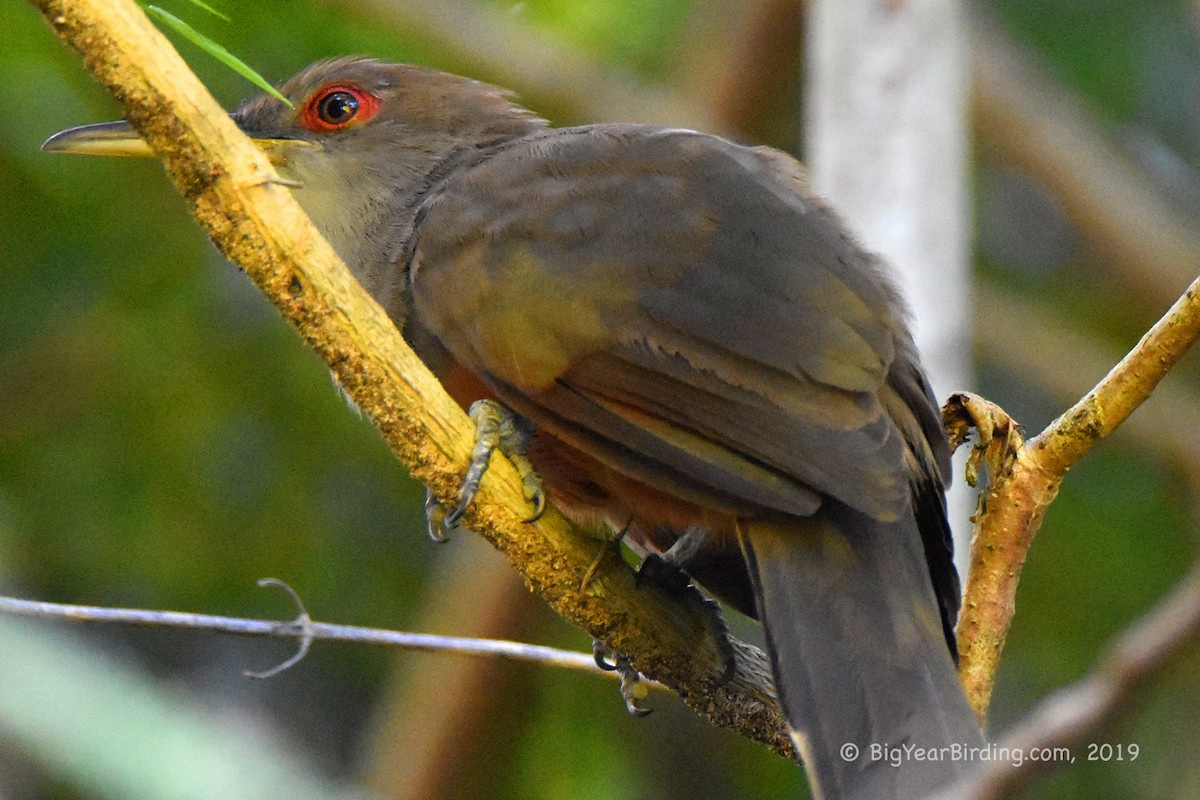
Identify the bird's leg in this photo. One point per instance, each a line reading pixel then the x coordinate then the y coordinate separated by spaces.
pixel 495 428
pixel 632 688
pixel 669 572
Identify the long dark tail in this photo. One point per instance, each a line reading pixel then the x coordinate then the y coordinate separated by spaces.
pixel 859 655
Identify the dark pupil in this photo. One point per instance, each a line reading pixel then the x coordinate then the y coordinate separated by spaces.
pixel 338 108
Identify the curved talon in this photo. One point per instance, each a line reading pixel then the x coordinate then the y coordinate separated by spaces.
pixel 600 654
pixel 497 427
pixel 637 691
pixel 633 688
pixel 451 519
pixel 470 484
pixel 302 621
pixel 435 518
pixel 538 499
pixel 512 444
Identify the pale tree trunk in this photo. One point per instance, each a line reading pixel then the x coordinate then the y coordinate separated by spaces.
pixel 887 145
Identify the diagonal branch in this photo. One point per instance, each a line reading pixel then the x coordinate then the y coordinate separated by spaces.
pixel 238 200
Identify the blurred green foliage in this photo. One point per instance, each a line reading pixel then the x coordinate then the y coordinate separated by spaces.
pixel 165 440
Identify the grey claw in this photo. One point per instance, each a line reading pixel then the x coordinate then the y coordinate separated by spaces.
pixel 450 520
pixel 600 654
pixel 633 688
pixel 539 505
pixel 495 427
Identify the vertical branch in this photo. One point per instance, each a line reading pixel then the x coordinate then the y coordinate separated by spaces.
pixel 1020 492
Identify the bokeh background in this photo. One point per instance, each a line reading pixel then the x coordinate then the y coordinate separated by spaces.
pixel 165 440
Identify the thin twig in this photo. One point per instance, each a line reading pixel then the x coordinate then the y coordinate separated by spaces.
pixel 1123 389
pixel 315 631
pixel 1064 361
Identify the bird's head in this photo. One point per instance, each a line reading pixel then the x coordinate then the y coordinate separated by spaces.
pixel 358 144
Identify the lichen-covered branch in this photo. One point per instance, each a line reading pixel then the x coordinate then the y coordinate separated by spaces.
pixel 235 196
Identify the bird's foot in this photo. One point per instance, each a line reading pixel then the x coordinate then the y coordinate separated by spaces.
pixel 435 517
pixel 496 428
pixel 633 688
pixel 667 571
pixel 999 437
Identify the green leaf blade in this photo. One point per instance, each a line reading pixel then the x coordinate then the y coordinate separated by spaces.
pixel 209 9
pixel 215 50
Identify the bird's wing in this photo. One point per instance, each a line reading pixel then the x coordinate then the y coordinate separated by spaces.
pixel 675 304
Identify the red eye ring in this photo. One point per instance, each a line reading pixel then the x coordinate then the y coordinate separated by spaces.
pixel 333 108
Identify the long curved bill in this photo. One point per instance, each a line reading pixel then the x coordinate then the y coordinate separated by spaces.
pixel 120 139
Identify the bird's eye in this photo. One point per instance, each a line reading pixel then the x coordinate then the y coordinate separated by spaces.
pixel 335 107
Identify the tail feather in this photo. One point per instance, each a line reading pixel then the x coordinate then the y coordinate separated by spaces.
pixel 859 655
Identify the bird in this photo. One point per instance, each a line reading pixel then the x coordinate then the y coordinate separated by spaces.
pixel 697 354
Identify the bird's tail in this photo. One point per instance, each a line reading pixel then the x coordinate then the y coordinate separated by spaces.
pixel 859 655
